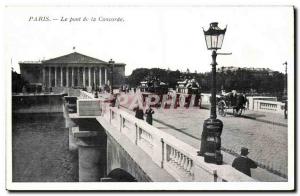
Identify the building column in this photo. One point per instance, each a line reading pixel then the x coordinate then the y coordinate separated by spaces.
pixel 83 76
pixel 90 77
pixel 67 76
pixel 100 77
pixel 44 76
pixel 95 77
pixel 55 77
pixel 61 77
pixel 50 83
pixel 72 77
pixel 105 75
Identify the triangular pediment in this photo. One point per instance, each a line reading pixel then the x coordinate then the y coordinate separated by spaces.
pixel 74 58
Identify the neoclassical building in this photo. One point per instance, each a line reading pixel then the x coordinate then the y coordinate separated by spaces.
pixel 73 70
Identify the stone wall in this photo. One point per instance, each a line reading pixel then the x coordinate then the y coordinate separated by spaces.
pixel 117 157
pixel 37 103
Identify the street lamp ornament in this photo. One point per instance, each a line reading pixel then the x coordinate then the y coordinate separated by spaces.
pixel 214 36
pixel 212 127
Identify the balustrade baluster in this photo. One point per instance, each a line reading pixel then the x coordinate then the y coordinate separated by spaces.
pixel 192 169
pixel 181 160
pixel 172 154
pixel 176 156
pixel 185 163
pixel 189 165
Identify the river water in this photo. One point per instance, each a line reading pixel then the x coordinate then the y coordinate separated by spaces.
pixel 40 149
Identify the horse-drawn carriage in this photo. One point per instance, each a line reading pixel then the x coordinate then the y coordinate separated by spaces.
pixel 153 85
pixel 231 101
pixel 189 91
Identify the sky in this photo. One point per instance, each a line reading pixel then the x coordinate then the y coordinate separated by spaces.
pixel 164 37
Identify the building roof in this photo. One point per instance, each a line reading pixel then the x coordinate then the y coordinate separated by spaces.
pixel 74 58
pixel 31 62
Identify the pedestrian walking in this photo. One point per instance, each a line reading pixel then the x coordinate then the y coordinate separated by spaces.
pixel 139 113
pixel 149 112
pixel 117 104
pixel 233 97
pixel 243 163
pixel 285 109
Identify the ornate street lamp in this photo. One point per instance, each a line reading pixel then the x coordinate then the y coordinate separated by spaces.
pixel 112 64
pixel 212 127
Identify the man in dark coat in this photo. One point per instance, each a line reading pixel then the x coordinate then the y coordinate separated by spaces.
pixel 139 113
pixel 241 101
pixel 149 112
pixel 243 163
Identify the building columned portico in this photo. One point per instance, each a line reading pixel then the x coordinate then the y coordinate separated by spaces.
pixel 72 70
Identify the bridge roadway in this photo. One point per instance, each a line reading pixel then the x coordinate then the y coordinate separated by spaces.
pixel 174 156
pixel 264 134
pixel 267 143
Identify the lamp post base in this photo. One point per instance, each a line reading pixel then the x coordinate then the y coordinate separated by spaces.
pixel 211 141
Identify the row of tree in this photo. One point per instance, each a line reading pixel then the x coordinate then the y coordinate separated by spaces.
pixel 242 80
pixel 18 82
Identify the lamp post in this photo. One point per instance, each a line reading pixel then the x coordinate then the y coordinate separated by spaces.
pixel 112 64
pixel 212 127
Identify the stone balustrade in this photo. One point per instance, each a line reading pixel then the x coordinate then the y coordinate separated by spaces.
pixel 85 95
pixel 269 106
pixel 178 158
pixel 252 100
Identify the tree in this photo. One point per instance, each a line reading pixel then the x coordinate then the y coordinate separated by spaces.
pixel 137 76
pixel 17 82
pixel 242 80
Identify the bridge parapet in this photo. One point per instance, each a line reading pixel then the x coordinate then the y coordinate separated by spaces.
pixel 269 106
pixel 176 157
pixel 85 95
pixel 173 155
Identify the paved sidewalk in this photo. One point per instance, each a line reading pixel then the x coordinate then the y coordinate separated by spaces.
pixel 267 117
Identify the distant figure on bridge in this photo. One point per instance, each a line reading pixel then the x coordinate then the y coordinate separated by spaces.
pixel 149 112
pixel 139 113
pixel 241 101
pixel 113 100
pixel 233 97
pixel 285 109
pixel 96 94
pixel 243 163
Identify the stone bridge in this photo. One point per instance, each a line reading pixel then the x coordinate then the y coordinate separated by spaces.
pixel 113 145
